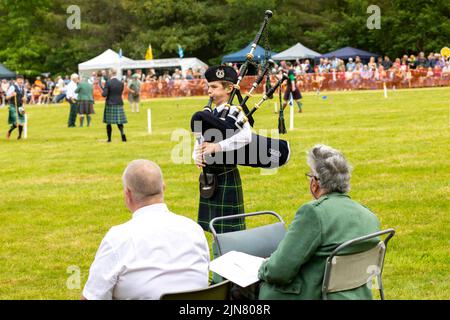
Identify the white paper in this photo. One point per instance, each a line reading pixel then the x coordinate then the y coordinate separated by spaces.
pixel 238 267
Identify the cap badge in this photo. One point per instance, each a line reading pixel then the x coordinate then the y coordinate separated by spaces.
pixel 220 73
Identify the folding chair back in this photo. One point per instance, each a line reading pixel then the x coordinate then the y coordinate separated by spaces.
pixel 220 291
pixel 260 241
pixel 346 272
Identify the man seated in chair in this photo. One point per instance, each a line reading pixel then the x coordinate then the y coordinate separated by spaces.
pixel 296 269
pixel 154 253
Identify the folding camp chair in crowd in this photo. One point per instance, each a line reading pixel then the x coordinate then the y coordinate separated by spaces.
pixel 350 271
pixel 260 241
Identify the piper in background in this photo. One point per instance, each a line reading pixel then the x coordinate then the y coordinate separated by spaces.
pixel 114 113
pixel 16 95
pixel 292 88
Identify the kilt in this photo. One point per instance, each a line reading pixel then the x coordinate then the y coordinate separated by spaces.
pixel 228 200
pixel 296 95
pixel 12 117
pixel 114 114
pixel 85 107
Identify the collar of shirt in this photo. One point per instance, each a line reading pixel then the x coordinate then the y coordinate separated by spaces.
pixel 220 107
pixel 157 208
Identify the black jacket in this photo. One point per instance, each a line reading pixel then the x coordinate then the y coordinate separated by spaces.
pixel 113 92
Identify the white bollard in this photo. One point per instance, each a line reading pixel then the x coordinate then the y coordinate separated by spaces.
pixel 149 121
pixel 25 127
pixel 291 117
pixel 385 90
pixel 275 108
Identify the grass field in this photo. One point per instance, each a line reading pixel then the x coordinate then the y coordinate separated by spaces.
pixel 61 188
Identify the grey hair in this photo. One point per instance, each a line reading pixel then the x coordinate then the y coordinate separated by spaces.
pixel 144 179
pixel 113 71
pixel 330 167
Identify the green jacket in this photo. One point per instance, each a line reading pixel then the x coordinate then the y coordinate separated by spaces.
pixel 85 91
pixel 295 270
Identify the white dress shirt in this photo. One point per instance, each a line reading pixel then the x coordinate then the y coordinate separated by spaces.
pixel 156 252
pixel 237 141
pixel 70 91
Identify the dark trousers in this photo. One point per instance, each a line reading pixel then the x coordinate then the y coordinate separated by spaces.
pixel 72 114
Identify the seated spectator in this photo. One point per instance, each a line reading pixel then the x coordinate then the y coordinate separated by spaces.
pixel 387 63
pixel 334 62
pixel 421 61
pixel 295 270
pixel 189 74
pixel 154 253
pixel 412 62
pixel 372 65
pixel 3 89
pixel 446 70
pixel 59 93
pixel 350 66
pixel 379 61
pixel 431 61
pixel 38 82
pixel 35 94
pixel 44 98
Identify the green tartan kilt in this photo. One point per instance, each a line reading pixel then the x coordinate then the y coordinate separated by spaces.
pixel 227 200
pixel 12 118
pixel 114 114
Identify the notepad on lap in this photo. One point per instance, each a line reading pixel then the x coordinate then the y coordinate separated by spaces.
pixel 238 267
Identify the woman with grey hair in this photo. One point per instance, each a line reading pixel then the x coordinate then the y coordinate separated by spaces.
pixel 330 171
pixel 295 270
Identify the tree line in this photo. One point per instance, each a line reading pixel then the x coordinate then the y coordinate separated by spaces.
pixel 34 36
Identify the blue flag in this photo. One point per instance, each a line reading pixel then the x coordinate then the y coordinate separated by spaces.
pixel 120 53
pixel 180 51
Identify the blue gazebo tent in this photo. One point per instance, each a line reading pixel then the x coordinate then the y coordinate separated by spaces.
pixel 241 55
pixel 349 52
pixel 5 73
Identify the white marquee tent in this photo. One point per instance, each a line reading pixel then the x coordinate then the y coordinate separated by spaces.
pixel 297 51
pixel 106 60
pixel 110 59
pixel 183 64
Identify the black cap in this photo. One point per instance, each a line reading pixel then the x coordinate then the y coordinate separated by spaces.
pixel 221 73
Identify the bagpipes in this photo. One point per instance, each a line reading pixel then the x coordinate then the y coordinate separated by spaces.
pixel 261 152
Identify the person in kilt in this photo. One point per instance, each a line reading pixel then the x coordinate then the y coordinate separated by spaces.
pixel 292 88
pixel 228 198
pixel 16 95
pixel 85 92
pixel 134 92
pixel 114 113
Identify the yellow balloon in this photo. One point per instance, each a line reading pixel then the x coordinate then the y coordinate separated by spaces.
pixel 445 52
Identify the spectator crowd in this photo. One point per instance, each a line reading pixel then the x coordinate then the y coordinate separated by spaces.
pixel 323 74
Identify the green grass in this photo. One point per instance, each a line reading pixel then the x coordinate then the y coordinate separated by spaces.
pixel 61 188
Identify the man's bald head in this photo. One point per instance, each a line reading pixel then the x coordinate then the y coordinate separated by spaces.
pixel 144 180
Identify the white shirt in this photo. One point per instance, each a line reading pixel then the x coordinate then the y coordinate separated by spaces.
pixel 70 90
pixel 156 252
pixel 237 141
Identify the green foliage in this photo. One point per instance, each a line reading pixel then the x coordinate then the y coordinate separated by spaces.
pixel 34 37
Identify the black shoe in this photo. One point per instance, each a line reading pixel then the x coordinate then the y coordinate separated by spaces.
pixel 124 138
